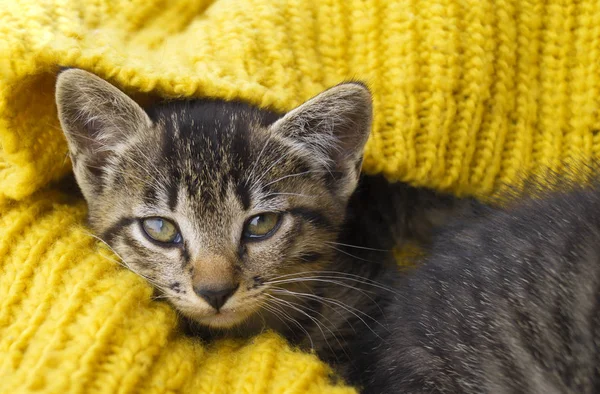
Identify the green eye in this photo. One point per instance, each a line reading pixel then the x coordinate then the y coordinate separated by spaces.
pixel 161 230
pixel 262 226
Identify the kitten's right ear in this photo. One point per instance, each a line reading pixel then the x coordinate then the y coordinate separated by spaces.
pixel 95 116
pixel 331 130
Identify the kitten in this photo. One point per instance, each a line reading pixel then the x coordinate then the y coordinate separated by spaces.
pixel 244 218
pixel 507 302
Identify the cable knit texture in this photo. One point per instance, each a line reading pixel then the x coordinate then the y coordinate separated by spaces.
pixel 469 95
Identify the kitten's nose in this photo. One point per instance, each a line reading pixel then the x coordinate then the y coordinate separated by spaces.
pixel 216 297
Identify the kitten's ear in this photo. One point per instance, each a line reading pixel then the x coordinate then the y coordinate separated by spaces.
pixel 332 129
pixel 95 116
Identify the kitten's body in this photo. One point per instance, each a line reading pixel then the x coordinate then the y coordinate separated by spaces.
pixel 507 302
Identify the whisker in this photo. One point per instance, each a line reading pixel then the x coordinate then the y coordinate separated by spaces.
pixel 270 167
pixel 341 304
pixel 105 244
pixel 123 263
pixel 262 318
pixel 278 311
pixel 295 307
pixel 251 175
pixel 327 276
pixel 287 194
pixel 350 254
pixel 291 305
pixel 116 171
pixel 298 295
pixel 163 296
pixel 357 247
pixel 338 273
pixel 281 290
pixel 67 156
pixel 317 277
pixel 162 180
pixel 293 175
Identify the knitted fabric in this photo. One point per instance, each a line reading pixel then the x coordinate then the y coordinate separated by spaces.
pixel 469 95
pixel 74 321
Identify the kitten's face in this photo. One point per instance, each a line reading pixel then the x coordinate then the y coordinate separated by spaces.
pixel 215 202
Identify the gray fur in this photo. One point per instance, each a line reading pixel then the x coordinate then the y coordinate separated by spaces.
pixel 507 302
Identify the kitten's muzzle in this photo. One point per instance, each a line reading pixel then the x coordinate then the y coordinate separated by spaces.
pixel 216 297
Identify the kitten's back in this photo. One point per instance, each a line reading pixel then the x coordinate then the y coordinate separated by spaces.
pixel 507 303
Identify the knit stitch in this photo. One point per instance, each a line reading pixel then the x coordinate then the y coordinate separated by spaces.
pixel 74 321
pixel 469 95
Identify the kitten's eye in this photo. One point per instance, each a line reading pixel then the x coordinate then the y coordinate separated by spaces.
pixel 262 226
pixel 161 230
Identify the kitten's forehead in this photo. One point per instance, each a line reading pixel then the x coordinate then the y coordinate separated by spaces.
pixel 211 148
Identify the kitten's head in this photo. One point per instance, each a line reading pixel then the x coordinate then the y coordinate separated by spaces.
pixel 214 202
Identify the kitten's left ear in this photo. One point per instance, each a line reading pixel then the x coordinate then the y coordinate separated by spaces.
pixel 331 129
pixel 95 115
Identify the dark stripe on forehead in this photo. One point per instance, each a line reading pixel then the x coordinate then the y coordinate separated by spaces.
pixel 170 147
pixel 150 196
pixel 311 216
pixel 173 195
pixel 173 184
pixel 240 161
pixel 109 235
pixel 223 188
pixel 243 194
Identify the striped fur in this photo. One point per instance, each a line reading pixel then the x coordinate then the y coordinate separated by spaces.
pixel 507 302
pixel 208 166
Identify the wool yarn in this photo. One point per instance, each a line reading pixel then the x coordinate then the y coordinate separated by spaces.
pixel 72 320
pixel 469 96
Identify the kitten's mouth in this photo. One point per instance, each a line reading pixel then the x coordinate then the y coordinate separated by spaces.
pixel 225 318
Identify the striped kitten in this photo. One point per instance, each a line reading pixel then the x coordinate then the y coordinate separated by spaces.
pixel 246 219
pixel 243 218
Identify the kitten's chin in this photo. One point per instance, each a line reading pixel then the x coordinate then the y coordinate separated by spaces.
pixel 224 319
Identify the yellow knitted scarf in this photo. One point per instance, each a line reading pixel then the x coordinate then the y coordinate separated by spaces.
pixel 469 95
